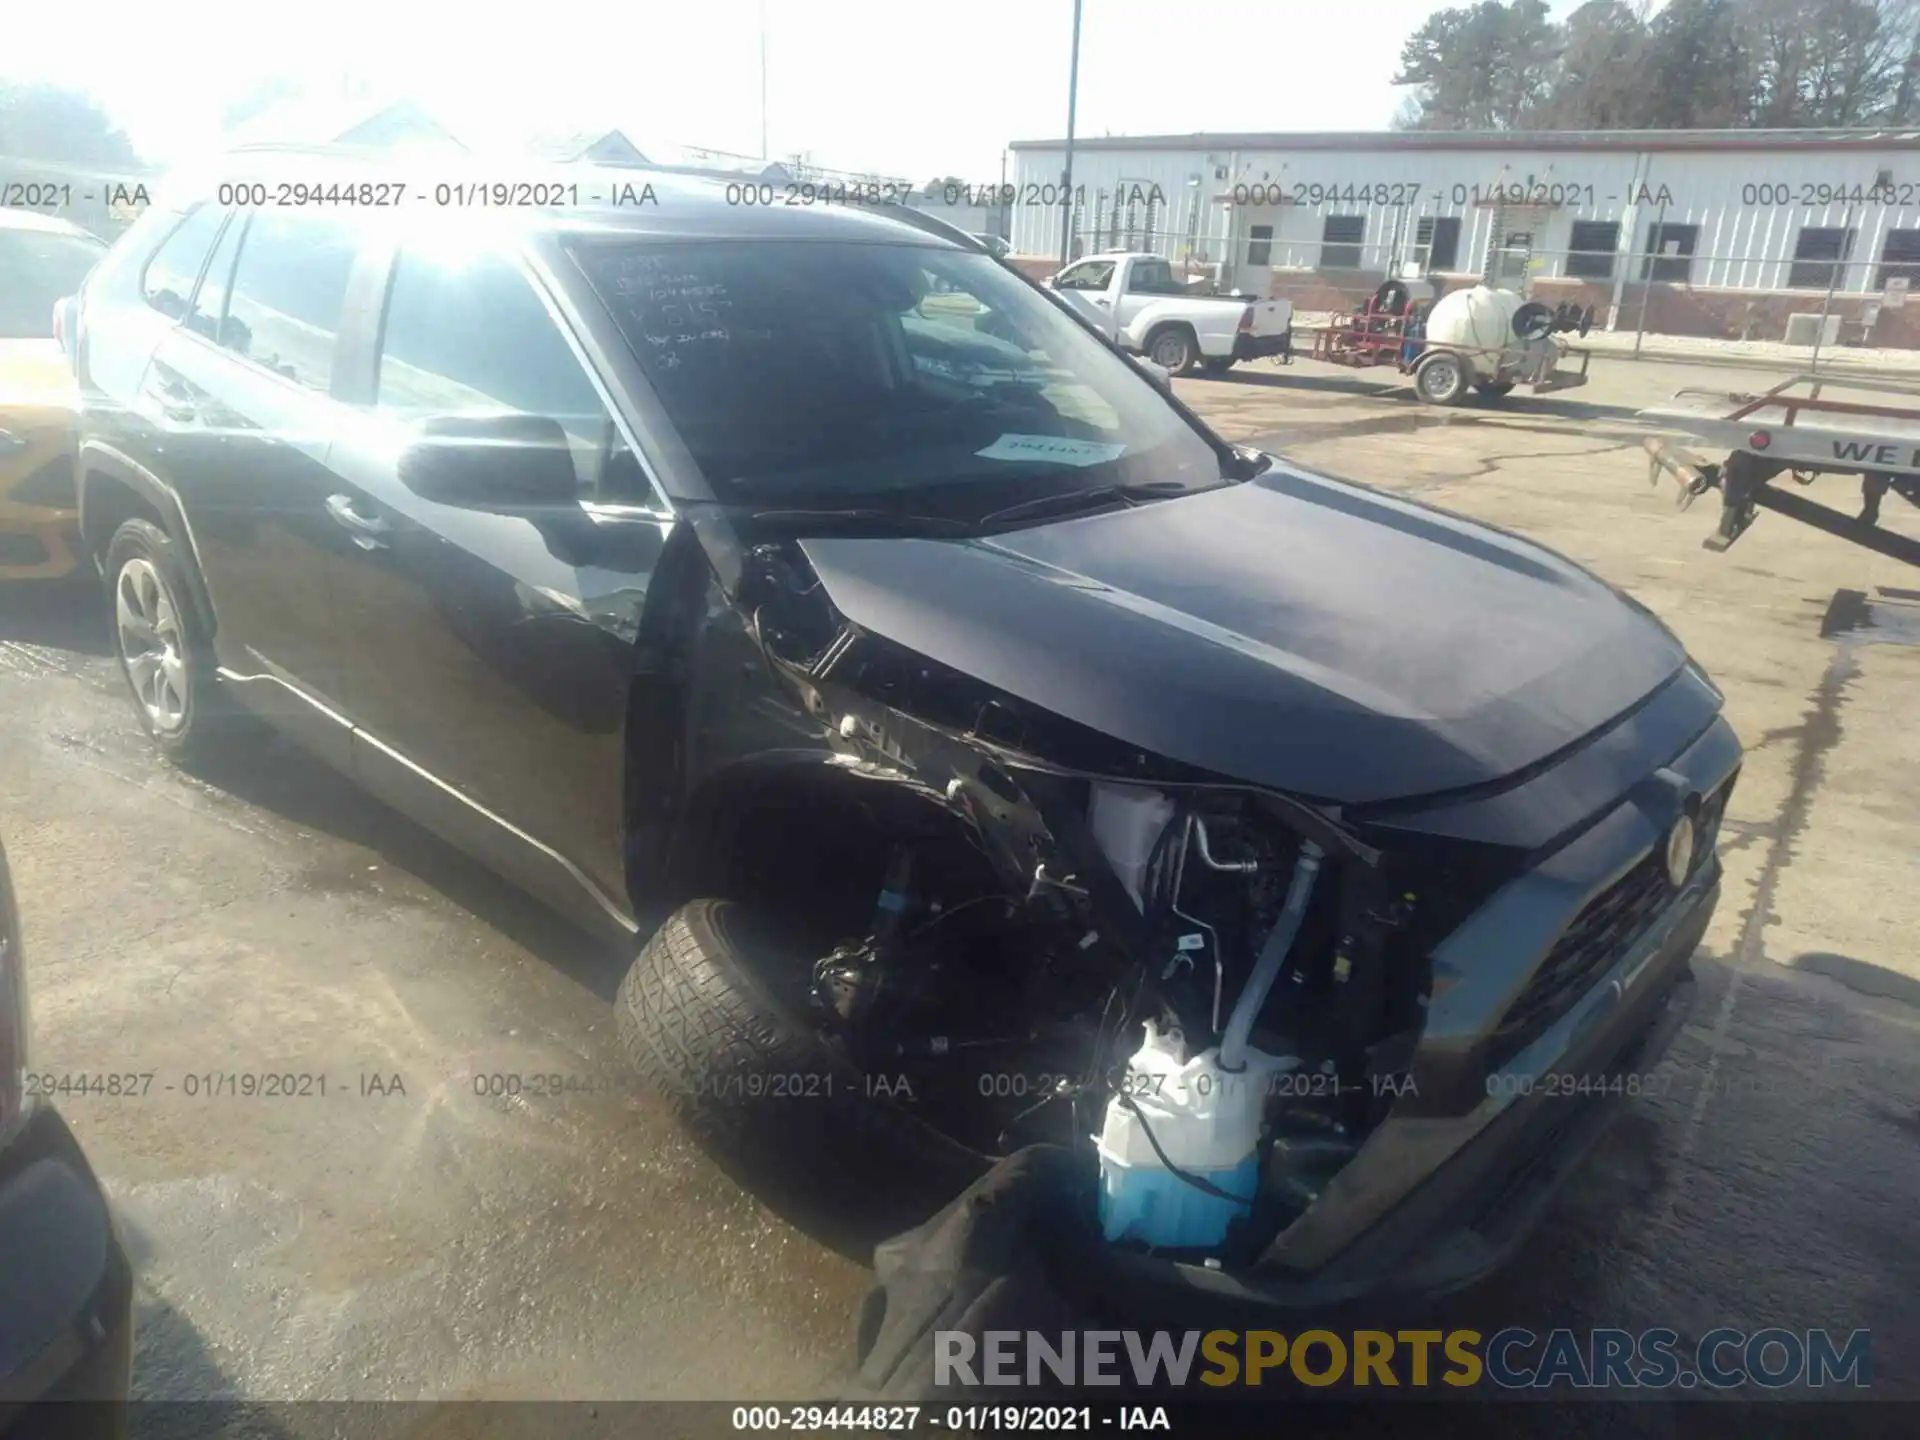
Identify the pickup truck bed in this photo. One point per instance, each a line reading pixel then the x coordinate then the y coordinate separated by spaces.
pixel 1136 301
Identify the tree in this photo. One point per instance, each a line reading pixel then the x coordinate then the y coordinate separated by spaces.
pixel 1691 64
pixel 1830 62
pixel 1599 83
pixel 1484 67
pixel 1701 72
pixel 46 122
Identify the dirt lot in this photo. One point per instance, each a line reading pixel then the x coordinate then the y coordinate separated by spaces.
pixel 435 1240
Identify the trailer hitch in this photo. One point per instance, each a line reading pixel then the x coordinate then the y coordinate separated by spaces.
pixel 1696 476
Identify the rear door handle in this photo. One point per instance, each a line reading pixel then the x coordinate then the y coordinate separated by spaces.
pixel 366 529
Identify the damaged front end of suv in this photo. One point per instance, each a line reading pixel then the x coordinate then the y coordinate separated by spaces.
pixel 1311 1040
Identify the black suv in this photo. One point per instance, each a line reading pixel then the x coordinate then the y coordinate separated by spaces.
pixel 809 574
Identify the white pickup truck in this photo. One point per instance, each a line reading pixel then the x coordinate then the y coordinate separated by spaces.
pixel 1136 301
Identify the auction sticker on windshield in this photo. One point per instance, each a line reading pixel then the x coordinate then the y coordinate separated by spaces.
pixel 1056 448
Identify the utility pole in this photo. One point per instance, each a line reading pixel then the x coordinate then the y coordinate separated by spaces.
pixel 1066 175
pixel 1002 211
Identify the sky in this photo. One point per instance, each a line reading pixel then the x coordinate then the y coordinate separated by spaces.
pixel 914 88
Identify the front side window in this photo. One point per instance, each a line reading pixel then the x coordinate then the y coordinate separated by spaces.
pixel 288 291
pixel 38 269
pixel 168 282
pixel 1092 275
pixel 466 334
pixel 929 380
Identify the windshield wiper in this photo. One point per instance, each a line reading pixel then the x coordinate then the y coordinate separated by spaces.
pixel 1068 501
pixel 895 521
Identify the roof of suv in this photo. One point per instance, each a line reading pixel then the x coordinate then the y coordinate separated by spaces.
pixel 631 200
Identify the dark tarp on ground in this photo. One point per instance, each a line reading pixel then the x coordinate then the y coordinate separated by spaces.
pixel 1012 1252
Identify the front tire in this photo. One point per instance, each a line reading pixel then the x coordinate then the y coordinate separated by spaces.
pixel 711 1015
pixel 163 649
pixel 1174 349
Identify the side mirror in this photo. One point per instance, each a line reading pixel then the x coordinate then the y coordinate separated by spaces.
pixel 491 462
pixel 1052 282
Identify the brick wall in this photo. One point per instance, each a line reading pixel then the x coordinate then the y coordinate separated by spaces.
pixel 1313 290
pixel 1723 314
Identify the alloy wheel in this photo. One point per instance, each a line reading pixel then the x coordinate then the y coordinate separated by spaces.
pixel 147 624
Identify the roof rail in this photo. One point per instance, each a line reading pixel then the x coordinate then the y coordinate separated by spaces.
pixel 932 225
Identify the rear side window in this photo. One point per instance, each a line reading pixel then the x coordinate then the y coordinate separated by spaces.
pixel 288 291
pixel 168 282
pixel 465 332
pixel 1153 277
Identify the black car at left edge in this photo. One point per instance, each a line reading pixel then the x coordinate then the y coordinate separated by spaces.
pixel 66 1290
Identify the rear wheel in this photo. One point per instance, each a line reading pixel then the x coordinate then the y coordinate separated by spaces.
pixel 1440 378
pixel 164 653
pixel 1173 349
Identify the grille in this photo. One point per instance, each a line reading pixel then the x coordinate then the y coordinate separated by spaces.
pixel 1609 924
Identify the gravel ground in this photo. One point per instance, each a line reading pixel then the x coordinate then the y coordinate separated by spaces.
pixel 447 1242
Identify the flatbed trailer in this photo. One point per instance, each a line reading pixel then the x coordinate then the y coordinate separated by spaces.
pixel 1799 429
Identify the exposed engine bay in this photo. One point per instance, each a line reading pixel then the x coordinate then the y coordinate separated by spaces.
pixel 1212 992
pixel 1245 1061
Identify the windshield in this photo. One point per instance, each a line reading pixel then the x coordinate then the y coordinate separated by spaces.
pixel 38 268
pixel 902 377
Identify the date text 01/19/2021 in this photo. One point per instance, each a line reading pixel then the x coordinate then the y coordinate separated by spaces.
pixel 1045 195
pixel 211 1084
pixel 962 1419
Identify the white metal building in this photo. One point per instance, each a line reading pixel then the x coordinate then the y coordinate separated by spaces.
pixel 1712 220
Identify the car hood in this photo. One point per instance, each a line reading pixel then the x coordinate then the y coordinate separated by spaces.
pixel 1293 632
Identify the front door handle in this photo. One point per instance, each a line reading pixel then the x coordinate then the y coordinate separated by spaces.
pixel 366 529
